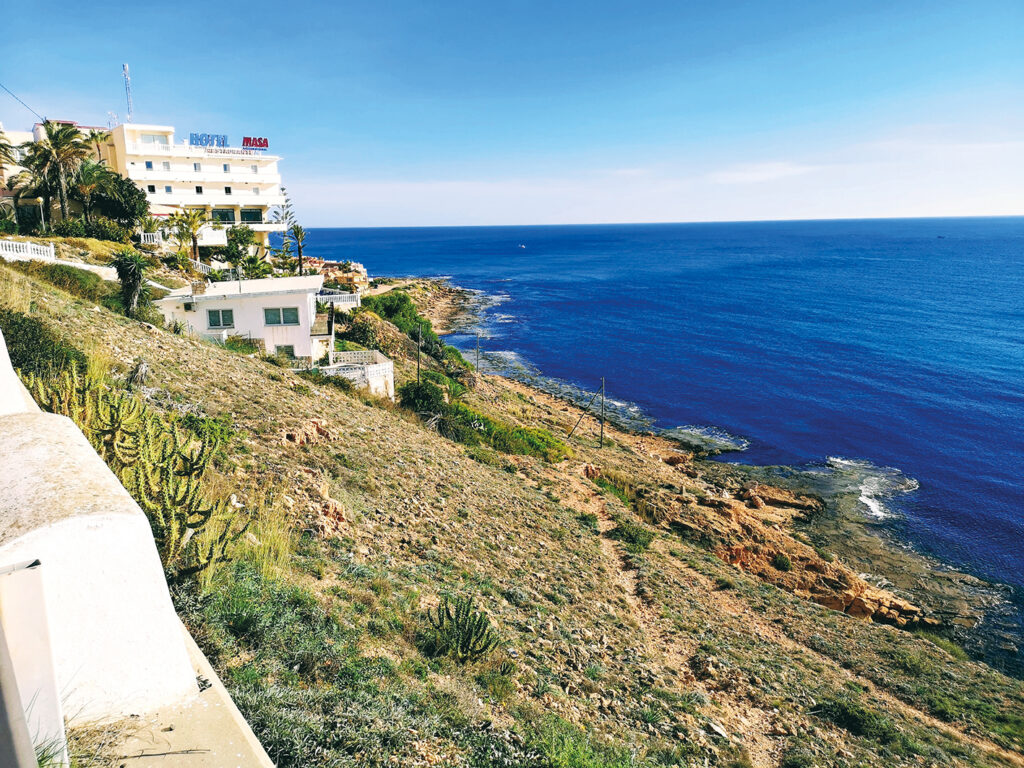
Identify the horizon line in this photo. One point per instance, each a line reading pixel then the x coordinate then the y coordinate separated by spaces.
pixel 669 223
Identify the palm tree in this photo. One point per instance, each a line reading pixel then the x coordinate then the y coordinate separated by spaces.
pixel 29 184
pixel 186 225
pixel 58 155
pixel 97 139
pixel 6 153
pixel 131 271
pixel 298 236
pixel 92 177
pixel 254 267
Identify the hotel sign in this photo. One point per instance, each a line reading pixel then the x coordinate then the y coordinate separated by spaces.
pixel 207 140
pixel 255 142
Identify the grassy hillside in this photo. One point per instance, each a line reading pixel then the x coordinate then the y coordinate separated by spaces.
pixel 624 637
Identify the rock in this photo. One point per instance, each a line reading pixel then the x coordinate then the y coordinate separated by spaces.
pixel 591 472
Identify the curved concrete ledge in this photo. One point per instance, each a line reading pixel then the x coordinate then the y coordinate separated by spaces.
pixel 116 644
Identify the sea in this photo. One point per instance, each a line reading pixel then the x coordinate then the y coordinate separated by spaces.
pixel 889 349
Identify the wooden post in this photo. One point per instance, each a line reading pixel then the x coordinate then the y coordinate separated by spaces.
pixel 585 411
pixel 602 413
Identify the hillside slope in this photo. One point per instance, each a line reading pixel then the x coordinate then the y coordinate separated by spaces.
pixel 645 611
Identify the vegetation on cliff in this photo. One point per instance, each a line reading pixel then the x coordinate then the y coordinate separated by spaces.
pixel 639 618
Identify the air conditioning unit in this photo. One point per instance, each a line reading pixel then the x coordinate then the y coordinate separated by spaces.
pixel 190 306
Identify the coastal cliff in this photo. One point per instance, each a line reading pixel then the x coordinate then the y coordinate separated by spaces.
pixel 649 609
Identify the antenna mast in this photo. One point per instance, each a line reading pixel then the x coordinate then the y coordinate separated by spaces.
pixel 127 90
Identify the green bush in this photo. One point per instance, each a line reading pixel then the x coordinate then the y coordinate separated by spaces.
pixel 456 629
pixel 781 562
pixel 860 720
pixel 338 382
pixel 35 348
pixel 636 538
pixel 421 397
pixel 8 227
pixel 103 228
pixel 69 228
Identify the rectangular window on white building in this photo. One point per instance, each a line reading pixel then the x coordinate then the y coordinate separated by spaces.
pixel 151 189
pixel 256 191
pixel 149 165
pixel 199 190
pixel 254 168
pixel 167 189
pixel 221 318
pixel 288 350
pixel 166 165
pixel 197 167
pixel 281 315
pixel 227 168
pixel 227 190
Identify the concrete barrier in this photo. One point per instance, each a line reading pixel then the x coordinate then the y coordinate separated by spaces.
pixel 117 647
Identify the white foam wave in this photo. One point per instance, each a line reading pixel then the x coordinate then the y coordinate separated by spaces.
pixel 874 485
pixel 707 438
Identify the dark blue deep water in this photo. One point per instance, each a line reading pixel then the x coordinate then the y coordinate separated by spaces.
pixel 896 342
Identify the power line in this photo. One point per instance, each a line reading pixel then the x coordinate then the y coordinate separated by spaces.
pixel 26 106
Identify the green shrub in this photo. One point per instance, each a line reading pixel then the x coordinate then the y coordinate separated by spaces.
pixel 781 562
pixel 241 344
pixel 421 397
pixel 954 650
pixel 636 538
pixel 8 227
pixel 69 228
pixel 456 629
pixel 338 382
pixel 860 720
pixel 589 521
pixel 607 486
pixel 103 228
pixel 35 348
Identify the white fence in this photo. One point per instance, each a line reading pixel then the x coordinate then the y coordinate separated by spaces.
pixel 341 300
pixel 198 266
pixel 19 248
pixel 364 368
pixel 151 238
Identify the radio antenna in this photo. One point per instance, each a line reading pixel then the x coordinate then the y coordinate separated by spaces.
pixel 127 90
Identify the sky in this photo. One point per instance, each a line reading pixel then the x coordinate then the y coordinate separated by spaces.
pixel 403 113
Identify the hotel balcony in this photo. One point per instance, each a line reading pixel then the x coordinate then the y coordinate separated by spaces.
pixel 214 198
pixel 185 175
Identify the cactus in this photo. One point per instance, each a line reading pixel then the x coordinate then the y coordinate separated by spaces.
pixel 160 464
pixel 459 631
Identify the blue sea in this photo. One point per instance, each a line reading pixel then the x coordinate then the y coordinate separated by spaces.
pixel 895 346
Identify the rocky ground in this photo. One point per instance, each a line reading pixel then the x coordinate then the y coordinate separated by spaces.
pixel 662 607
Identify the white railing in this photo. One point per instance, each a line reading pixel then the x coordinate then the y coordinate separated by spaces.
pixel 18 248
pixel 200 267
pixel 151 238
pixel 339 299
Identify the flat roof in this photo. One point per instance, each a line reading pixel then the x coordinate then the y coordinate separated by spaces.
pixel 262 287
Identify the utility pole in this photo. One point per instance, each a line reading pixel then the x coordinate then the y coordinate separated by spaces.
pixel 419 346
pixel 602 412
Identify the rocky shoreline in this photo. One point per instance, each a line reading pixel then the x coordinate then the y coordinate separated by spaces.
pixel 838 557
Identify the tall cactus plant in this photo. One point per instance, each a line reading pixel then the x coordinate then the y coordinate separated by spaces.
pixel 161 465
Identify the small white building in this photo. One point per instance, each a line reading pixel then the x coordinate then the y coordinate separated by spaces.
pixel 279 312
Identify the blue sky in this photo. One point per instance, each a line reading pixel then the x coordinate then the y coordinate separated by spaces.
pixel 412 113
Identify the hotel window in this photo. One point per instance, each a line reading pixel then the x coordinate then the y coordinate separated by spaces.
pixel 288 350
pixel 149 165
pixel 154 138
pixel 167 189
pixel 227 190
pixel 151 189
pixel 227 168
pixel 166 165
pixel 199 190
pixel 252 215
pixel 256 190
pixel 254 168
pixel 223 215
pixel 197 167
pixel 221 318
pixel 281 316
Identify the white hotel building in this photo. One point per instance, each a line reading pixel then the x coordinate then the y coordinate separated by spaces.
pixel 233 184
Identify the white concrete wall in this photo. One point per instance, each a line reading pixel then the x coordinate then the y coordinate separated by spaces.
pixel 113 630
